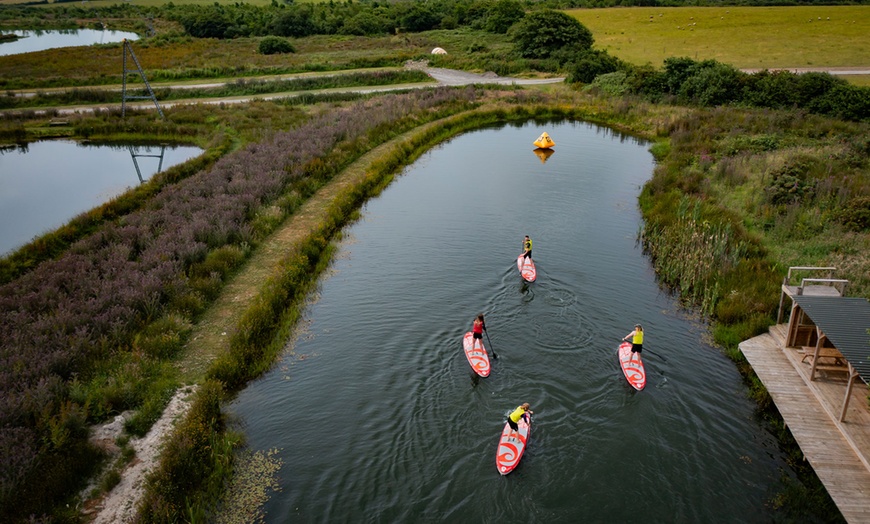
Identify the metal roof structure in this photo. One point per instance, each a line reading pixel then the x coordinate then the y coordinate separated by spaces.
pixel 846 323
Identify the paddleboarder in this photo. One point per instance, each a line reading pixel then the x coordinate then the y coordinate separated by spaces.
pixel 477 329
pixel 527 247
pixel 636 342
pixel 523 412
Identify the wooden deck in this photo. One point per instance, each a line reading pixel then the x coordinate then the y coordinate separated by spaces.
pixel 839 452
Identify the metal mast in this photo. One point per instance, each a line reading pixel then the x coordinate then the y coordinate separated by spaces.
pixel 124 95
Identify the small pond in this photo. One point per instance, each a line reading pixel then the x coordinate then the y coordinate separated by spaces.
pixel 39 40
pixel 45 184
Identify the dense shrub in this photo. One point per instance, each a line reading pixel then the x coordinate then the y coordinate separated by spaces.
pixel 541 33
pixel 366 24
pixel 611 83
pixel 855 215
pixel 710 83
pixel 792 184
pixel 590 63
pixel 271 45
pixel 502 15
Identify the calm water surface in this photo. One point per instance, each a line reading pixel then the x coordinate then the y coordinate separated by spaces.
pixel 378 418
pixel 46 184
pixel 41 40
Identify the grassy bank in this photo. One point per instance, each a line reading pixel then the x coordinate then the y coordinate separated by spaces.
pixel 740 197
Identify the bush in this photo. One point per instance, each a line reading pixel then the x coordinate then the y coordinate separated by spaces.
pixel 542 33
pixel 272 45
pixel 792 183
pixel 856 214
pixel 610 83
pixel 502 15
pixel 591 63
pixel 712 83
pixel 365 24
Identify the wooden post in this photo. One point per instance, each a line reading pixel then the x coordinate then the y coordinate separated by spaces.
pixel 852 375
pixel 819 343
pixel 781 300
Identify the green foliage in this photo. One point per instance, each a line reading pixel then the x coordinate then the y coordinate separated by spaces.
pixel 271 45
pixel 792 183
pixel 613 84
pixel 420 17
pixel 541 33
pixel 366 24
pixel 711 83
pixel 502 15
pixel 193 456
pixel 855 215
pixel 164 337
pixel 590 63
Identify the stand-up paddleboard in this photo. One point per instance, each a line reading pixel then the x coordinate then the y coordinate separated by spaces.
pixel 634 371
pixel 477 356
pixel 527 268
pixel 511 446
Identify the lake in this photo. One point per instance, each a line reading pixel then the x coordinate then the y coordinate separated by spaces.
pixel 374 410
pixel 45 184
pixel 40 40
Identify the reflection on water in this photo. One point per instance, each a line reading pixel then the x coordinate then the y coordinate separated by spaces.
pixel 543 154
pixel 380 421
pixel 45 184
pixel 40 40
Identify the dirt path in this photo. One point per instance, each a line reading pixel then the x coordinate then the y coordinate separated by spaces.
pixel 449 77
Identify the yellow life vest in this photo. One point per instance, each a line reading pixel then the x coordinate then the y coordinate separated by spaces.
pixel 517 414
pixel 638 337
pixel 528 244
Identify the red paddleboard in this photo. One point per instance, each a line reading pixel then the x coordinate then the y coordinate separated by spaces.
pixel 634 372
pixel 511 446
pixel 476 354
pixel 527 268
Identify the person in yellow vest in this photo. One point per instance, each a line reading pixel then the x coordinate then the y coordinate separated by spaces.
pixel 527 247
pixel 636 342
pixel 521 412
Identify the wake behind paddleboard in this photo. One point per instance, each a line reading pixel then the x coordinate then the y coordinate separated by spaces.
pixel 634 371
pixel 527 268
pixel 476 356
pixel 511 446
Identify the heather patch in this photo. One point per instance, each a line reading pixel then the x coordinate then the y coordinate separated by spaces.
pixel 62 320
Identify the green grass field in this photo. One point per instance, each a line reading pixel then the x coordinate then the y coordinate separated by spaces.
pixel 745 37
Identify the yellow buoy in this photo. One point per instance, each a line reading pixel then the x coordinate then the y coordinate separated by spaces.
pixel 543 154
pixel 544 141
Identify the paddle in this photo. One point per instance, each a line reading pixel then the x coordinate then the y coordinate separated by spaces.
pixel 494 356
pixel 651 352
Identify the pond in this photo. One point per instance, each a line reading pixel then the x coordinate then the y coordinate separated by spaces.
pixel 377 417
pixel 40 40
pixel 45 184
